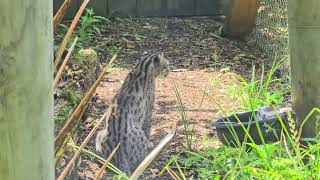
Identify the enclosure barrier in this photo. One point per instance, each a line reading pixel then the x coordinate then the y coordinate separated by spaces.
pixel 271 29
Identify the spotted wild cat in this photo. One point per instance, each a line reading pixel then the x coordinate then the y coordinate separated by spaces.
pixel 130 114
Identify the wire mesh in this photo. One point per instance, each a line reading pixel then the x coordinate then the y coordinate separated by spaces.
pixel 271 30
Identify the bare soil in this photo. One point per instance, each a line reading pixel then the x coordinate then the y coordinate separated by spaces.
pixel 200 62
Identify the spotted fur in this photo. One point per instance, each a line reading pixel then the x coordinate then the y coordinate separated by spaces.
pixel 130 115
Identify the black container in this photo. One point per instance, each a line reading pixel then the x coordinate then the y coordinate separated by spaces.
pixel 267 119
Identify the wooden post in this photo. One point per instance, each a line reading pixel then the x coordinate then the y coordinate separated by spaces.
pixel 240 17
pixel 26 93
pixel 304 42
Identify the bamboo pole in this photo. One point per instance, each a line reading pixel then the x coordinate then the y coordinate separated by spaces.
pixel 26 93
pixel 100 172
pixel 68 34
pixel 304 43
pixel 75 156
pixel 60 13
pixel 58 76
pixel 75 116
pixel 146 162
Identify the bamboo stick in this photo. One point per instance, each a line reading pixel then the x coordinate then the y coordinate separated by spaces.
pixel 75 116
pixel 58 76
pixel 99 174
pixel 67 168
pixel 68 34
pixel 60 13
pixel 146 162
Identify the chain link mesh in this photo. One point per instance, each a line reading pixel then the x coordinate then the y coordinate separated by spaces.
pixel 271 30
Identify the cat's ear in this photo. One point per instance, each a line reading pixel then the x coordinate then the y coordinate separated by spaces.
pixel 160 56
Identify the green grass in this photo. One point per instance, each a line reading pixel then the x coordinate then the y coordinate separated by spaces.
pixel 118 174
pixel 137 37
pixel 113 49
pixel 215 57
pixel 184 120
pixel 259 92
pixel 70 94
pixel 61 114
pixel 72 98
pixel 285 159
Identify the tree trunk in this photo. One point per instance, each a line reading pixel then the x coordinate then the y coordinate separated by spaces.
pixel 26 93
pixel 304 42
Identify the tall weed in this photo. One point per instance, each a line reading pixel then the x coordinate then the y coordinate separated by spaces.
pixel 259 92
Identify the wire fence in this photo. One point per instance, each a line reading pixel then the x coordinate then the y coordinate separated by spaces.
pixel 271 30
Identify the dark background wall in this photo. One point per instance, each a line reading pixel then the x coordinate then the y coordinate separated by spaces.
pixel 109 8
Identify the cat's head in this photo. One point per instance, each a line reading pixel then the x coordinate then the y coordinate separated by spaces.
pixel 153 64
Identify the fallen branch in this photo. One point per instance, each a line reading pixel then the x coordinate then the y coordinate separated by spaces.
pixel 74 118
pixel 146 162
pixel 68 34
pixel 59 73
pixel 60 13
pixel 99 174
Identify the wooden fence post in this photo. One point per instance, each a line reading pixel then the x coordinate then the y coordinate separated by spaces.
pixel 304 43
pixel 26 93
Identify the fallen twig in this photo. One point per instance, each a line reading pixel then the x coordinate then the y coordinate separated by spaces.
pixel 146 162
pixel 59 73
pixel 172 173
pixel 99 174
pixel 72 121
pixel 216 36
pixel 68 34
pixel 60 13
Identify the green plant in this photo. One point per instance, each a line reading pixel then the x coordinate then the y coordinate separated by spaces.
pixel 215 56
pixel 137 36
pixel 71 97
pixel 115 65
pixel 62 114
pixel 118 173
pixel 285 159
pixel 69 93
pixel 88 25
pixel 184 120
pixel 113 49
pixel 259 92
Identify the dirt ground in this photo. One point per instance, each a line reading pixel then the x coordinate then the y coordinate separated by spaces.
pixel 200 61
pixel 200 110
